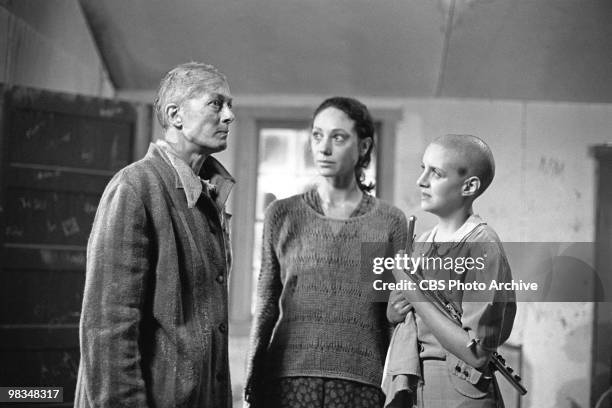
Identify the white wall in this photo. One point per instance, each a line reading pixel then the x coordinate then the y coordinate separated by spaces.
pixel 47 44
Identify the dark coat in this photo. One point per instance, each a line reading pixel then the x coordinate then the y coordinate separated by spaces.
pixel 153 329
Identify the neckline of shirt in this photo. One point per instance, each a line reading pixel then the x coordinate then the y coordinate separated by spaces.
pixel 365 208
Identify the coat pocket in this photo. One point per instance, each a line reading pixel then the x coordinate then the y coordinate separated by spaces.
pixel 466 379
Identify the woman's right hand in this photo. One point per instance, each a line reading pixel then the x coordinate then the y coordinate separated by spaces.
pixel 398 307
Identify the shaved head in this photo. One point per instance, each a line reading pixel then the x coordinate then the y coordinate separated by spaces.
pixel 471 157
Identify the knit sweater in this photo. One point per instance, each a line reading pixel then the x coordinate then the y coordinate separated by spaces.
pixel 315 314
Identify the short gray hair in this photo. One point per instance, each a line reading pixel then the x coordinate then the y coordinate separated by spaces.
pixel 185 81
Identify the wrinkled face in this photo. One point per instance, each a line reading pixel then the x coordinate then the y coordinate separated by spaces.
pixel 440 183
pixel 334 143
pixel 206 118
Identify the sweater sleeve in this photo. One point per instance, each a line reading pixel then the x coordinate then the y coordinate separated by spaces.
pixel 399 232
pixel 269 288
pixel 117 269
pixel 399 240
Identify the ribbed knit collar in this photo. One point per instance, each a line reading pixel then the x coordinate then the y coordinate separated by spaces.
pixel 312 198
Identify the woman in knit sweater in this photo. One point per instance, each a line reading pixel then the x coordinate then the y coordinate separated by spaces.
pixel 318 338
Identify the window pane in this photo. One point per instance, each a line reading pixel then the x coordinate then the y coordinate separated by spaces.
pixel 285 165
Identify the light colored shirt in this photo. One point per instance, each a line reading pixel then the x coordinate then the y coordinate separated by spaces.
pixel 217 187
pixel 487 315
pixel 192 184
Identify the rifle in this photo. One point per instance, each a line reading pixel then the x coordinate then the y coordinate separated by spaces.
pixel 497 362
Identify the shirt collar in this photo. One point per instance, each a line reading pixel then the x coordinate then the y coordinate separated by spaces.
pixel 213 179
pixel 466 229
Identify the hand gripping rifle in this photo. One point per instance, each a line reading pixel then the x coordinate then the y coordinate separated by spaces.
pixel 497 362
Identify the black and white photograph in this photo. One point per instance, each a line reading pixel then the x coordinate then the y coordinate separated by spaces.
pixel 306 203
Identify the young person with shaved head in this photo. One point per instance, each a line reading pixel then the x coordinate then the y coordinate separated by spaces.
pixel 457 169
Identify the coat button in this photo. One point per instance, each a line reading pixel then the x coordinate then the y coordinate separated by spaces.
pixel 220 279
pixel 223 328
pixel 220 377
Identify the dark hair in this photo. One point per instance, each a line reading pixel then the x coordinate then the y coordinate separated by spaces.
pixel 363 125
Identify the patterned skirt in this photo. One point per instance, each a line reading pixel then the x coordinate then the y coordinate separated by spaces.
pixel 317 392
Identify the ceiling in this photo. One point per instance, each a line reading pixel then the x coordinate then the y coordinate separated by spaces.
pixel 558 50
